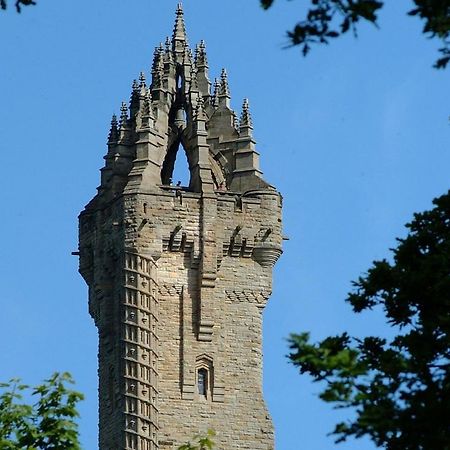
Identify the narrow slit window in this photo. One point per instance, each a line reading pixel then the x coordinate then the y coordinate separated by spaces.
pixel 202 381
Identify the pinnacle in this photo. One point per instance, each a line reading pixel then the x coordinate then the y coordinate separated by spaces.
pixel 199 111
pixel 215 99
pixel 201 60
pixel 123 115
pixel 142 84
pixel 113 132
pixel 194 81
pixel 235 121
pixel 246 124
pixel 187 56
pixel 157 56
pixel 114 121
pixel 147 107
pixel 224 90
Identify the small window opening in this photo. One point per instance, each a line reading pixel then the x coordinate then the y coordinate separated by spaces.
pixel 202 382
pixel 145 208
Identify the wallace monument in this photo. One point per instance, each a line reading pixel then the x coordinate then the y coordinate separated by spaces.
pixel 179 276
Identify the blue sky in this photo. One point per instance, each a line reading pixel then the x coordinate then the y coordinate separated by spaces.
pixel 355 137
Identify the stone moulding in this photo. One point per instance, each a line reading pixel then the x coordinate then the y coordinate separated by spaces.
pixel 267 254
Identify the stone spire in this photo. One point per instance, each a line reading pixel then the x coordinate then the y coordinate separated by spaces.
pixel 179 39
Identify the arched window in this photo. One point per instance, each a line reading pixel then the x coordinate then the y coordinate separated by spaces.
pixel 202 382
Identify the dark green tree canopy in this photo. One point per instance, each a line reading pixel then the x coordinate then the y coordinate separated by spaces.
pixel 18 4
pixel 399 387
pixel 49 423
pixel 328 19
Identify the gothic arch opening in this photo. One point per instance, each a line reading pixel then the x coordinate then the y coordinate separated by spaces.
pixel 181 175
pixel 175 169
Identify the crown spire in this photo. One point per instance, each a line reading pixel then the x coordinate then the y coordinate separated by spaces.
pixel 179 39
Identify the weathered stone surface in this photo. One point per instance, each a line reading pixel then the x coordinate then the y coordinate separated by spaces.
pixel 178 276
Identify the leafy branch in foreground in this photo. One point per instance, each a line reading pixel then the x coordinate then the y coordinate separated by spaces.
pixel 328 19
pixel 201 442
pixel 47 424
pixel 398 387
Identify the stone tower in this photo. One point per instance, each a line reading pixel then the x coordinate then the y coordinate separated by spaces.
pixel 178 276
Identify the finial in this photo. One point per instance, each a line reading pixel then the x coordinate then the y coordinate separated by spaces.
pixel 114 131
pixel 123 115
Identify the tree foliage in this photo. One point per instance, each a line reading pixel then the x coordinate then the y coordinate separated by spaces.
pixel 49 423
pixel 18 4
pixel 400 387
pixel 200 442
pixel 328 19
